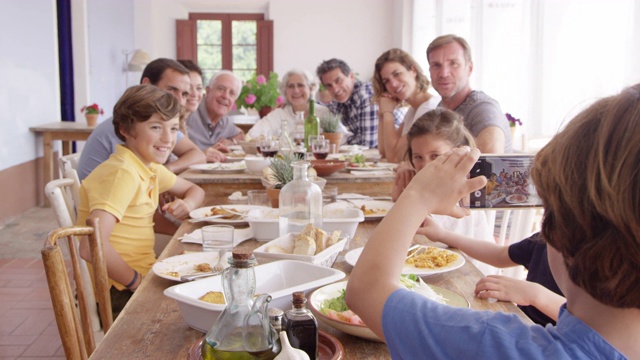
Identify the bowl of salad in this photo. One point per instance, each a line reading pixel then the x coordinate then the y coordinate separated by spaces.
pixel 328 305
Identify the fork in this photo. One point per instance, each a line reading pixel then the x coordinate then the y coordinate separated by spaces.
pixel 215 269
pixel 218 267
pixel 206 218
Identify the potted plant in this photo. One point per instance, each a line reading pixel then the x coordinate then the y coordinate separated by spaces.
pixel 91 113
pixel 513 122
pixel 260 93
pixel 330 125
pixel 280 172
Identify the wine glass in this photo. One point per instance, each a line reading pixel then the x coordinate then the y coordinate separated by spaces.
pixel 320 148
pixel 269 148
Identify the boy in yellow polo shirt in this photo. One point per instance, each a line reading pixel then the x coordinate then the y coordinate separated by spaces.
pixel 123 191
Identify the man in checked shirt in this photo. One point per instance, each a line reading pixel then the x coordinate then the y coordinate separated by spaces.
pixel 352 100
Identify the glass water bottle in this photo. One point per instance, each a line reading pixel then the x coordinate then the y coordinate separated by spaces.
pixel 300 202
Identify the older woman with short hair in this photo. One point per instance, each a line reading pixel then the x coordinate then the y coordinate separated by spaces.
pixel 297 86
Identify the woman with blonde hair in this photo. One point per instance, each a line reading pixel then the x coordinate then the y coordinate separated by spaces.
pixel 397 79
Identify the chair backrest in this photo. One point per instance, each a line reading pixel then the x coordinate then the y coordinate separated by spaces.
pixel 59 192
pixel 67 162
pixel 76 334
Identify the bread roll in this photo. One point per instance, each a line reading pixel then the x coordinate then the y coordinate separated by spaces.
pixel 304 245
pixel 334 238
pixel 321 240
pixel 277 250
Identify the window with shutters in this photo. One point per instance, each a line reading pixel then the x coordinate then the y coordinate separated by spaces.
pixel 242 43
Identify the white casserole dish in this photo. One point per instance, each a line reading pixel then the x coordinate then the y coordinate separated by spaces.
pixel 278 279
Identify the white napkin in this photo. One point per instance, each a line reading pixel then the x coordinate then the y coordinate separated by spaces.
pixel 239 235
pixel 372 173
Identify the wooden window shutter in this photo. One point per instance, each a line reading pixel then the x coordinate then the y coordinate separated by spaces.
pixel 186 40
pixel 265 47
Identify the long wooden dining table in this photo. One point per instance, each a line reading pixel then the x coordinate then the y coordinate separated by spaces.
pixel 219 186
pixel 151 325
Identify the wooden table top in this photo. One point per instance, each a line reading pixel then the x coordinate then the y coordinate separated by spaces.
pixel 151 325
pixel 246 177
pixel 64 126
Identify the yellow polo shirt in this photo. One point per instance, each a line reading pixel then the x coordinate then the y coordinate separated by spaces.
pixel 124 187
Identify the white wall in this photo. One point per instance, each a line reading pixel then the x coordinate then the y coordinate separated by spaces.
pixel 356 31
pixel 29 94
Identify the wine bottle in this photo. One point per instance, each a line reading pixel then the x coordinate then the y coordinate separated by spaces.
pixel 311 124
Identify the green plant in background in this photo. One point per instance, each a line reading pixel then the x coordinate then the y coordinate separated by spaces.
pixel 259 92
pixel 330 123
pixel 281 169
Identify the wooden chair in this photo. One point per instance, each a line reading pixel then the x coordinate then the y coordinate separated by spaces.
pixel 60 193
pixel 76 333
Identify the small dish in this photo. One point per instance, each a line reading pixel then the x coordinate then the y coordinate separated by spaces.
pixel 327 167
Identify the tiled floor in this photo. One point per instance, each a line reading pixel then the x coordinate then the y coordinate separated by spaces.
pixel 27 324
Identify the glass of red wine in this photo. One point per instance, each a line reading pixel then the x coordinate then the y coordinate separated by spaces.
pixel 269 148
pixel 320 147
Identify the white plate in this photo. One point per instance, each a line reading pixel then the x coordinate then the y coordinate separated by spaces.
pixel 352 258
pixel 220 168
pixel 381 207
pixel 184 264
pixel 370 166
pixel 352 149
pixel 235 156
pixel 203 211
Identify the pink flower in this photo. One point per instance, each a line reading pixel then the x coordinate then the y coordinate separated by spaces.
pixel 250 99
pixel 279 100
pixel 261 79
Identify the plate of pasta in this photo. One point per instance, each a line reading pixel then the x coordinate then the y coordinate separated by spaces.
pixel 423 261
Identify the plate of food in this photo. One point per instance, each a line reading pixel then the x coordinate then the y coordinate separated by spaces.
pixel 516 198
pixel 372 209
pixel 174 267
pixel 426 260
pixel 220 168
pixel 235 156
pixel 370 166
pixel 232 214
pixel 328 305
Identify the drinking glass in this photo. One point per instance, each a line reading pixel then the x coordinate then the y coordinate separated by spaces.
pixel 269 148
pixel 259 198
pixel 217 237
pixel 320 148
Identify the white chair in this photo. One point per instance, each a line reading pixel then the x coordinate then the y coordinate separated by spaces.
pixel 60 193
pixel 66 162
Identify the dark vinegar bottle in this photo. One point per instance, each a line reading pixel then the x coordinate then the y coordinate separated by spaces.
pixel 301 326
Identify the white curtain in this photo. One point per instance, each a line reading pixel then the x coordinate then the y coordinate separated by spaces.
pixel 542 60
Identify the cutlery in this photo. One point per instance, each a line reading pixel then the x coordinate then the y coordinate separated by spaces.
pixel 413 250
pixel 191 277
pixel 217 269
pixel 243 214
pixel 205 218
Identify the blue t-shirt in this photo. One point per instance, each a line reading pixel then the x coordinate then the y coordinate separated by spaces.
pixel 418 328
